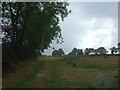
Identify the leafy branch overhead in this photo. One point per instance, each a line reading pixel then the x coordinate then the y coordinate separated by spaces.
pixel 32 26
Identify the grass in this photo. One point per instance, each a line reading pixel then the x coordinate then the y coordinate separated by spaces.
pixel 26 83
pixel 57 82
pixel 67 72
pixel 72 64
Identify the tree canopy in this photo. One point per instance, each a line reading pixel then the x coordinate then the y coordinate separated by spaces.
pixel 113 50
pixel 76 51
pixel 31 26
pixel 102 50
pixel 87 51
pixel 59 52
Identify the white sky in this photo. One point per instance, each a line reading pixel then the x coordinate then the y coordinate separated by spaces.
pixel 89 25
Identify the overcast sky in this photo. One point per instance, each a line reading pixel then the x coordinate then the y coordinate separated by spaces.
pixel 89 25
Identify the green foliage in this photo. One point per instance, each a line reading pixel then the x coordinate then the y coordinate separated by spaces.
pixel 76 51
pixel 102 50
pixel 29 27
pixel 87 51
pixel 113 50
pixel 79 52
pixel 26 83
pixel 59 52
pixel 103 77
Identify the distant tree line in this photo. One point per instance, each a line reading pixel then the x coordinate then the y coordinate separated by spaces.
pixel 88 51
pixel 76 51
pixel 98 51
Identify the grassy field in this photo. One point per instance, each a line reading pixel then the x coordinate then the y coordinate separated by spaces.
pixel 65 72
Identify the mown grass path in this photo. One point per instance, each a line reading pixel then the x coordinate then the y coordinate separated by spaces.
pixel 26 80
pixel 59 72
pixel 26 83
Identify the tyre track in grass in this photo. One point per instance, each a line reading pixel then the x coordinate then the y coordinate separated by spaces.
pixel 58 73
pixel 54 77
pixel 48 76
pixel 27 81
pixel 43 76
pixel 23 69
pixel 57 81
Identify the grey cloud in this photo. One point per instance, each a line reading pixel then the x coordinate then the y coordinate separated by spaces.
pixel 84 27
pixel 98 9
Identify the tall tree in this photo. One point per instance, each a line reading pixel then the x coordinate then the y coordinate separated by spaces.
pixel 31 26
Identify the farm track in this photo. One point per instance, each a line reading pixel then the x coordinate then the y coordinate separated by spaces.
pixel 62 72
